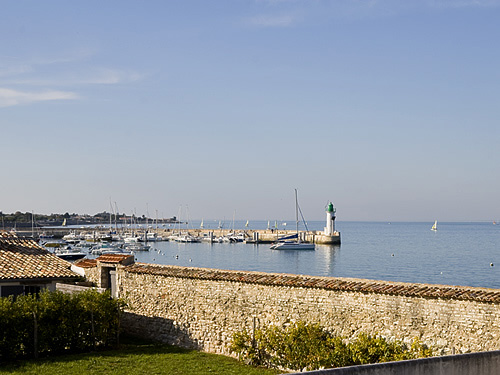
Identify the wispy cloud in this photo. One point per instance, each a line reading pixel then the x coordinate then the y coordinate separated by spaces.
pixel 13 70
pixel 87 77
pixel 112 76
pixel 54 78
pixel 9 97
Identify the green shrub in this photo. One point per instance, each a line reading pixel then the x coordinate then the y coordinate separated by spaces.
pixel 11 329
pixel 301 346
pixel 53 322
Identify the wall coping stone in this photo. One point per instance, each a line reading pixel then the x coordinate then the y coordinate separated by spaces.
pixel 431 291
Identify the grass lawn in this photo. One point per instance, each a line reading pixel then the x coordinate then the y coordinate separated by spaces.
pixel 142 358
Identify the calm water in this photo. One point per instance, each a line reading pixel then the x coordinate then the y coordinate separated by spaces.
pixel 457 254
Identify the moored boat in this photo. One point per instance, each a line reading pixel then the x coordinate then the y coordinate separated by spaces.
pixel 68 253
pixel 295 245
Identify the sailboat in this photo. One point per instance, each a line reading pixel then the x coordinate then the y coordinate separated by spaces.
pixel 434 227
pixel 294 245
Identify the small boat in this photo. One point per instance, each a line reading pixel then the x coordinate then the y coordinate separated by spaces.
pixel 137 247
pixel 434 227
pixel 72 238
pixel 104 236
pixel 106 248
pixel 186 238
pixel 233 237
pixel 287 245
pixel 131 239
pixel 153 237
pixel 294 245
pixel 68 253
pixel 211 239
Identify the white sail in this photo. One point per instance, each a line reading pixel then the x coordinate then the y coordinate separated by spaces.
pixel 434 227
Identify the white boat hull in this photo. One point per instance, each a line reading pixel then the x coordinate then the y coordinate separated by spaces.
pixel 293 246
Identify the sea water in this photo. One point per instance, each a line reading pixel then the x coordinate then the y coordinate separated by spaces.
pixel 466 254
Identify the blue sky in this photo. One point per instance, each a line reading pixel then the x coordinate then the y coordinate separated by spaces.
pixel 389 109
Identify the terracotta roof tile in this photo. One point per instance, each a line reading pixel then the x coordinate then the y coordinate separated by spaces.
pixel 22 259
pixel 116 258
pixel 329 283
pixel 86 263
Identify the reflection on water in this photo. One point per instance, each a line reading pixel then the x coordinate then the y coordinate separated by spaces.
pixel 457 254
pixel 248 257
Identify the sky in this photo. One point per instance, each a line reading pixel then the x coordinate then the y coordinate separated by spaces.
pixel 214 109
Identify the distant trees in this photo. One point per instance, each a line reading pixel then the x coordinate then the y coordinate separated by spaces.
pixel 19 217
pixel 28 217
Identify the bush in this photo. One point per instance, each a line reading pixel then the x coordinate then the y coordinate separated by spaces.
pixel 308 346
pixel 53 322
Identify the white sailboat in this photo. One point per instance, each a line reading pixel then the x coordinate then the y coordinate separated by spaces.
pixel 434 227
pixel 295 245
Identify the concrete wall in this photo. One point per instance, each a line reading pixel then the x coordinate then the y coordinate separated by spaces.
pixel 486 363
pixel 202 308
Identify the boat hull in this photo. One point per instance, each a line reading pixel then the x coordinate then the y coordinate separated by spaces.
pixel 70 256
pixel 293 246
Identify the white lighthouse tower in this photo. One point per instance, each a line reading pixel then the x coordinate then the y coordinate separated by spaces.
pixel 330 219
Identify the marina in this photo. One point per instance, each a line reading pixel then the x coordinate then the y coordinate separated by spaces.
pixel 464 254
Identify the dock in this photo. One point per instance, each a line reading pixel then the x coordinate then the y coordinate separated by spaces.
pixel 251 236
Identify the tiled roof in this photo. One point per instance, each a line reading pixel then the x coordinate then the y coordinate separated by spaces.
pixel 116 258
pixel 329 283
pixel 86 263
pixel 22 259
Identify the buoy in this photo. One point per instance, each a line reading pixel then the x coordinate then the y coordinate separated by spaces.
pixel 491 264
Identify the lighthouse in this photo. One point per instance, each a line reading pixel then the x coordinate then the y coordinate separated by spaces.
pixel 330 219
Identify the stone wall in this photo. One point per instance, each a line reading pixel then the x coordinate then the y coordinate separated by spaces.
pixel 92 273
pixel 202 308
pixel 484 363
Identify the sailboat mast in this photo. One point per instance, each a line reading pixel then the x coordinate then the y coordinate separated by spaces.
pixel 297 215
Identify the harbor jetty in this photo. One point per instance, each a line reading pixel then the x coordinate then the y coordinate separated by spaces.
pixel 97 233
pixel 251 236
